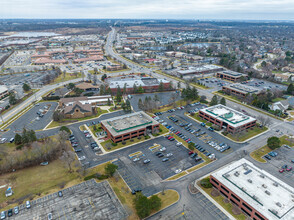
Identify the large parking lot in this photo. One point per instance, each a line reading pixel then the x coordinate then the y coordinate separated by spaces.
pixel 214 82
pixel 139 175
pixel 208 140
pixel 88 200
pixel 274 166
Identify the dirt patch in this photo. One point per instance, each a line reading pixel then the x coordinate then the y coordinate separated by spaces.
pixel 236 210
pixel 215 193
pixel 226 200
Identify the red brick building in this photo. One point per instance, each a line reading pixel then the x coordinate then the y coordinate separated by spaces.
pixel 225 117
pixel 129 126
pixel 147 83
pixel 231 76
pixel 257 193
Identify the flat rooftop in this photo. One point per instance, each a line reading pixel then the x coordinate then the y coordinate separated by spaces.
pixel 200 69
pixel 265 193
pixel 232 73
pixel 128 123
pixel 228 115
pixel 243 88
pixel 131 81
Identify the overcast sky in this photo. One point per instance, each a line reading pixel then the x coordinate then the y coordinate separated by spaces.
pixel 167 9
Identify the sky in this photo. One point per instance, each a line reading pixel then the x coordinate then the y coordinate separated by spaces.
pixel 149 9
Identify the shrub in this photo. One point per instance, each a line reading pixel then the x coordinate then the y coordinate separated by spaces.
pixel 160 130
pixel 123 142
pixel 205 183
pixel 114 144
pixel 89 177
pixel 139 138
pixel 19 147
pixel 273 142
pixel 225 133
pixel 131 140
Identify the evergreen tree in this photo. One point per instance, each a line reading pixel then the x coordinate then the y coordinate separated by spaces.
pixel 108 102
pixel 213 101
pixel 118 94
pixel 161 87
pixel 125 89
pixel 140 104
pixel 290 89
pixel 222 101
pixel 26 87
pixel 135 89
pixel 12 99
pixel 17 139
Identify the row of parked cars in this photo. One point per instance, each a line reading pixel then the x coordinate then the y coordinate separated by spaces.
pixel 222 147
pixel 271 154
pixel 15 210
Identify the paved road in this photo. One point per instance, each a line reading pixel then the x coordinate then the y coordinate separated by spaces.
pixel 37 96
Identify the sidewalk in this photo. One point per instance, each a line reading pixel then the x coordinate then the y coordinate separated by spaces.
pixel 95 139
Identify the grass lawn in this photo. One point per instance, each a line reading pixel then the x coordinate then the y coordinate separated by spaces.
pixel 220 200
pixel 68 76
pixel 249 133
pixel 198 118
pixel 258 153
pixel 54 124
pixel 163 129
pixel 117 109
pixel 98 129
pixel 174 177
pixel 36 181
pixel 278 99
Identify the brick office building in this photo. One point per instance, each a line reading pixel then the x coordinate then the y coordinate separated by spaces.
pixel 129 126
pixel 149 84
pixel 225 117
pixel 231 75
pixel 240 90
pixel 257 193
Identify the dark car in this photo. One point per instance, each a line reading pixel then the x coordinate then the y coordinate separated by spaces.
pixel 160 155
pixel 9 213
pixel 267 157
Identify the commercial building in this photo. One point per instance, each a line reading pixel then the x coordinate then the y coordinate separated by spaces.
pixel 256 192
pixel 3 92
pixel 240 90
pixel 231 75
pixel 200 70
pixel 147 83
pixel 225 117
pixel 129 126
pixel 78 110
pixel 92 100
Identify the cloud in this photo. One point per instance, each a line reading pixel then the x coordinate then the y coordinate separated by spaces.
pixel 185 9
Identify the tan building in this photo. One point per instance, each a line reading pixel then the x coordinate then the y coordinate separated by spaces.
pixel 78 110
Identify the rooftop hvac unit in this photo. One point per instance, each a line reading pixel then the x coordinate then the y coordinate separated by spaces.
pixel 227 175
pixel 267 192
pixel 261 175
pixel 249 180
pixel 275 184
pixel 274 211
pixel 279 204
pixel 247 172
pixel 236 173
pixel 264 186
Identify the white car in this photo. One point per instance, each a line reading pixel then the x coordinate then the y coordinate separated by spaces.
pixel 82 158
pixel 179 144
pixel 136 159
pixel 162 149
pixel 178 171
pixel 169 154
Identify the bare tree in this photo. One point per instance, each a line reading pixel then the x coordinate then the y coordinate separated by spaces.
pixel 264 121
pixel 68 157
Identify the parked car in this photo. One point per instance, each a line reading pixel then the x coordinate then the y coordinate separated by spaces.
pixel 146 161
pixel 60 193
pixel 136 159
pixel 281 170
pixel 267 157
pixel 16 210
pixel 28 204
pixel 165 159
pixel 289 169
pixel 169 155
pixel 3 215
